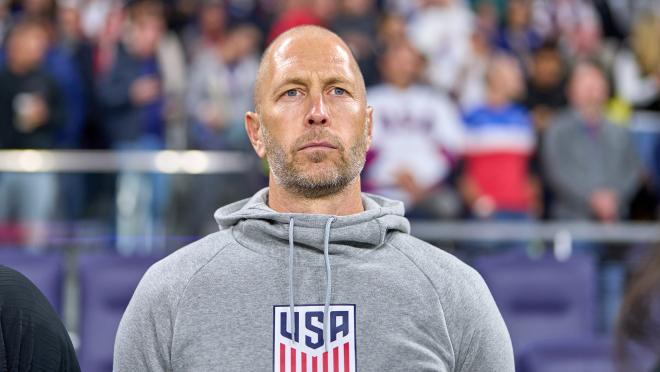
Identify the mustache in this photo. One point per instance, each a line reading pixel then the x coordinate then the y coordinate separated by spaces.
pixel 318 135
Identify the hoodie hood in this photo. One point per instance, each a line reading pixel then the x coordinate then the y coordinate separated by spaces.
pixel 255 223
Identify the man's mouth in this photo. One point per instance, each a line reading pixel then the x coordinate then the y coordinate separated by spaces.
pixel 316 145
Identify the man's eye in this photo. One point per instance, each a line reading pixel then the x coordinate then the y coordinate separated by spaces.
pixel 291 93
pixel 338 91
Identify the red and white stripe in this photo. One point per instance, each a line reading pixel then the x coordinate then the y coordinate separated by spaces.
pixel 289 359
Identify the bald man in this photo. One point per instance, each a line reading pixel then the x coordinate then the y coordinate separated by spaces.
pixel 310 274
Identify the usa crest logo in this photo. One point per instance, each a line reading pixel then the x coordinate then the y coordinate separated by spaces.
pixel 299 344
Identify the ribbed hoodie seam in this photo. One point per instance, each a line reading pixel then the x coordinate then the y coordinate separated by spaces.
pixel 435 291
pixel 185 288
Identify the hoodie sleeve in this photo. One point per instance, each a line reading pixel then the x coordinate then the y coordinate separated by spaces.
pixel 144 337
pixel 479 338
pixel 146 331
pixel 484 343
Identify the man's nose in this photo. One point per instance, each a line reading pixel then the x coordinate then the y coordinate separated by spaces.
pixel 318 113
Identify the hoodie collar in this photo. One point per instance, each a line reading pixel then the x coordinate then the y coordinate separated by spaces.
pixel 258 227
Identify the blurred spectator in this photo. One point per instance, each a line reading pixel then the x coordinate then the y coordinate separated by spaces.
pixel 209 30
pixel 499 143
pixel 471 86
pixel 591 164
pixel 517 36
pixel 417 138
pixel 356 25
pixel 75 45
pixel 302 12
pixel 139 94
pixel 637 69
pixel 68 60
pixel 574 23
pixel 220 91
pixel 108 35
pixel 441 30
pixel 636 75
pixel 148 69
pixel 31 113
pixel 546 91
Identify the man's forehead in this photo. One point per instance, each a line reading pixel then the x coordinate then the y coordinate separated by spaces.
pixel 322 57
pixel 303 54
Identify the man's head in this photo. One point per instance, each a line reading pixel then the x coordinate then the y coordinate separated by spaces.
pixel 547 66
pixel 504 76
pixel 145 27
pixel 311 121
pixel 401 64
pixel 27 45
pixel 587 88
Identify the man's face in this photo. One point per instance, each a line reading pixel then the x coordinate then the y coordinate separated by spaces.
pixel 315 127
pixel 588 88
pixel 27 48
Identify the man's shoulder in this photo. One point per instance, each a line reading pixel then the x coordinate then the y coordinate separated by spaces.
pixel 475 327
pixel 175 271
pixel 444 270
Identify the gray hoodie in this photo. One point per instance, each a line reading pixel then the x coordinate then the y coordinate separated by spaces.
pixel 394 303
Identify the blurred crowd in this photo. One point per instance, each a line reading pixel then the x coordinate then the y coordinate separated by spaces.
pixel 483 109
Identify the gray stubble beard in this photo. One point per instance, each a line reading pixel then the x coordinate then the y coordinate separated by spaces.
pixel 290 175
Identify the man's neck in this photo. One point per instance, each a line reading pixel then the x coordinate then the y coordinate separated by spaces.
pixel 591 115
pixel 346 202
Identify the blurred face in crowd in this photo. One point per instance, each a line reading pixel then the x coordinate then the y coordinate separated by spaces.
pixel 69 21
pixel 547 68
pixel 324 9
pixel 504 75
pixel 357 7
pixel 518 13
pixel 401 64
pixel 588 89
pixel 38 7
pixel 212 18
pixel 312 122
pixel 392 29
pixel 145 34
pixel 26 47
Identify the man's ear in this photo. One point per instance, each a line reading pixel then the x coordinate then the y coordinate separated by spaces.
pixel 252 127
pixel 370 125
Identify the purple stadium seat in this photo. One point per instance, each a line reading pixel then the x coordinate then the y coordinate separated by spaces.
pixel 107 282
pixel 44 270
pixel 542 299
pixel 586 355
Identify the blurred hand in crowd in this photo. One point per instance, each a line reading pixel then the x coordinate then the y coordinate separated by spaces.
pixel 31 111
pixel 145 90
pixel 604 204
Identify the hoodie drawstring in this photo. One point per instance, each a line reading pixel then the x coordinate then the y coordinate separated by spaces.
pixel 291 293
pixel 328 284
